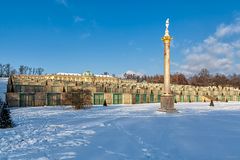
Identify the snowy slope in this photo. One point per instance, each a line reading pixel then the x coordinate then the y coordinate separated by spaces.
pixel 3 88
pixel 122 132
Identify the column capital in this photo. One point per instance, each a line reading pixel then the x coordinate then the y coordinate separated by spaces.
pixel 167 39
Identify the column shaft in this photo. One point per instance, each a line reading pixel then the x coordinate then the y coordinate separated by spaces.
pixel 167 89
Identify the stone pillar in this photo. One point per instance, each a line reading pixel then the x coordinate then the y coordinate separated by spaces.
pixel 166 40
pixel 167 99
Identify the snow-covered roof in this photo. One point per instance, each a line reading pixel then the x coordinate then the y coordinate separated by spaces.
pixel 102 75
pixel 70 74
pixel 87 73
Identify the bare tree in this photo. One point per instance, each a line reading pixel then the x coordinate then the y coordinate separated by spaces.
pixel 39 71
pixel 179 78
pixel 34 71
pixel 7 70
pixel 234 80
pixel 81 98
pixel 1 70
pixel 29 70
pixel 204 77
pixel 13 72
pixel 23 69
pixel 193 80
pixel 220 80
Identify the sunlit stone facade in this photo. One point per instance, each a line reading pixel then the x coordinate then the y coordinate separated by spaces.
pixel 26 90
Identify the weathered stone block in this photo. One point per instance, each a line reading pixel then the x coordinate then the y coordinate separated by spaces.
pixel 13 99
pixel 127 98
pixel 40 98
pixel 167 104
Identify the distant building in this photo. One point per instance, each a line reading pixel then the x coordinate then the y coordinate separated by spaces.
pixel 57 89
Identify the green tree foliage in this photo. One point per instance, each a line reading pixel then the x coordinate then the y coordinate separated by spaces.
pixel 5 118
pixel 211 103
pixel 105 103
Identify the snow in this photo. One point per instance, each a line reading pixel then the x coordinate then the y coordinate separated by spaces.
pixel 70 74
pixel 135 73
pixel 102 75
pixel 125 132
pixel 79 74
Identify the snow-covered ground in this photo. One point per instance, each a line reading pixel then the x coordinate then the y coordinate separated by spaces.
pixel 124 132
pixel 3 88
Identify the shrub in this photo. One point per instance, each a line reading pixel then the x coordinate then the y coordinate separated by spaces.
pixel 82 98
pixel 211 103
pixel 5 119
pixel 105 102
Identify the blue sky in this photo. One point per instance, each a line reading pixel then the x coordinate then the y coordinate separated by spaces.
pixel 120 35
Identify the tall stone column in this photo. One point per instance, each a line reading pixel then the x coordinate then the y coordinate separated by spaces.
pixel 166 40
pixel 167 99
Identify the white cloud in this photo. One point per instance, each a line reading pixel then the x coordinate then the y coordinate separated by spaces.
pixel 238 67
pixel 212 45
pixel 216 53
pixel 174 64
pixel 236 44
pixel 213 64
pixel 78 19
pixel 238 53
pixel 228 30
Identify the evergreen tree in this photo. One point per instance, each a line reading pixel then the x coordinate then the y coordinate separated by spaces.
pixel 105 103
pixel 211 103
pixel 5 119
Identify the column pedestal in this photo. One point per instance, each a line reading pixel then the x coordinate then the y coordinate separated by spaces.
pixel 167 104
